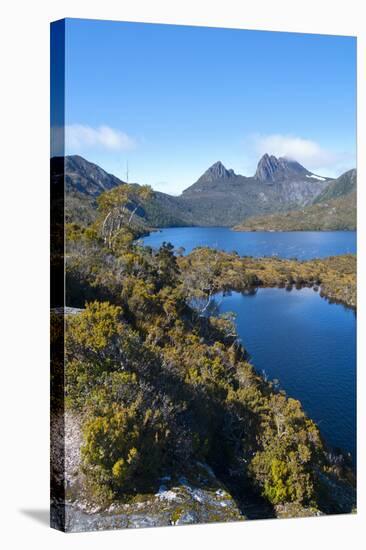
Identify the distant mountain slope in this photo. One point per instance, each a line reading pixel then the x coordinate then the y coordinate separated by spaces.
pixel 165 211
pixel 346 183
pixel 336 215
pixel 219 197
pixel 83 176
pixel 333 210
pixel 80 208
pixel 85 181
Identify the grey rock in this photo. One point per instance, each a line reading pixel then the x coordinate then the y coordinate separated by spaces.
pixel 188 518
pixel 217 171
pixel 81 175
pixel 271 170
pixel 220 197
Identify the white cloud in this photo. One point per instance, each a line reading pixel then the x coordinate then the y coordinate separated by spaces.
pixel 295 148
pixel 80 137
pixel 308 152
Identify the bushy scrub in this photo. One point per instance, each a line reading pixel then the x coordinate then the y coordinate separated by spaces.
pixel 124 448
pixel 289 449
pixel 160 384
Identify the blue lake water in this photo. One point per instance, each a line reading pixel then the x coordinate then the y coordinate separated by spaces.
pixel 295 244
pixel 309 345
pixel 296 337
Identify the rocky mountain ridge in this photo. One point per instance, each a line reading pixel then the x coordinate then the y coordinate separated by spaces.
pixel 334 209
pixel 275 170
pixel 82 176
pixel 219 197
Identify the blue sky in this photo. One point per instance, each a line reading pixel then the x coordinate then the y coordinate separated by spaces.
pixel 172 100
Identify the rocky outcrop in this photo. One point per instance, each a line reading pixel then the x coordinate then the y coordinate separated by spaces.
pixel 196 496
pixel 217 171
pixel 219 197
pixel 274 170
pixel 177 502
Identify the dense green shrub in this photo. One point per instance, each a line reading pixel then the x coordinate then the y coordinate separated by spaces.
pixel 160 384
pixel 289 450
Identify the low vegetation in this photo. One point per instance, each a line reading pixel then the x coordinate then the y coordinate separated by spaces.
pixel 333 209
pixel 161 385
pixel 207 271
pixel 334 215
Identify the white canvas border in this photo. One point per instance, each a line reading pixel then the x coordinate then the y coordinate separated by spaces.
pixel 25 244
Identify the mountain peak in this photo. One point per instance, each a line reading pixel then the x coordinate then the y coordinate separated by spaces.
pixel 271 169
pixel 213 177
pixel 82 176
pixel 217 171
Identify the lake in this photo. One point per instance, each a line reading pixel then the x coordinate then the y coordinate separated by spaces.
pixel 296 337
pixel 307 344
pixel 303 245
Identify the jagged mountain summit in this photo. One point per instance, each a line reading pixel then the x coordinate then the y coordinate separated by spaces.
pixel 218 170
pixel 271 169
pixel 216 173
pixel 334 209
pixel 219 197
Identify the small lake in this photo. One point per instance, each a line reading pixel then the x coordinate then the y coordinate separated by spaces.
pixel 307 344
pixel 296 336
pixel 303 245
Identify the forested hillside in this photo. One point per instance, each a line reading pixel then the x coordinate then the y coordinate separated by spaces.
pixel 334 209
pixel 158 385
pixel 219 197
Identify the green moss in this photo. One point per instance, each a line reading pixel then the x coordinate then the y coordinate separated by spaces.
pixel 177 513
